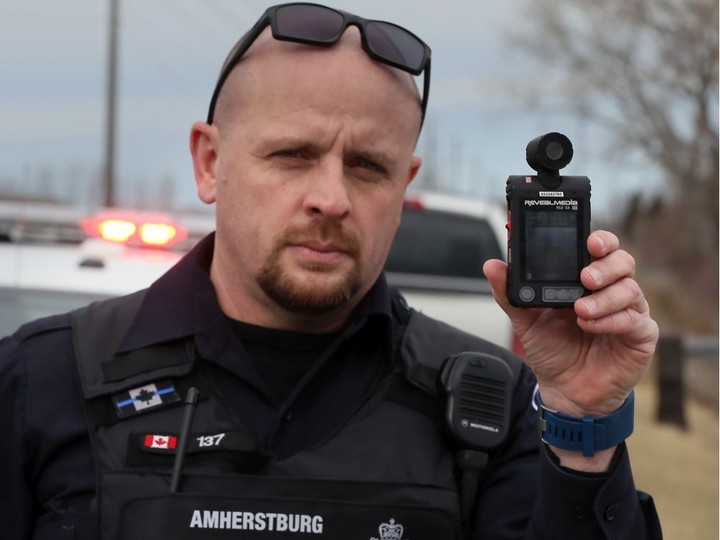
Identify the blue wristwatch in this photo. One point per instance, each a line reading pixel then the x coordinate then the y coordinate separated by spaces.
pixel 587 434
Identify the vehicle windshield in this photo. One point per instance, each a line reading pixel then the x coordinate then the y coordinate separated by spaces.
pixel 433 243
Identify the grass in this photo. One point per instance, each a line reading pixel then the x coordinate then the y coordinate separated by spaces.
pixel 679 468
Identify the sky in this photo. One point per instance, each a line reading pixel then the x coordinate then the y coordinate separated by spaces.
pixel 53 95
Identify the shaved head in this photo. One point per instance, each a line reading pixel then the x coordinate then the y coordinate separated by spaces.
pixel 270 56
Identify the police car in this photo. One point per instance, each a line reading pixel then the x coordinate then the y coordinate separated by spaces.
pixel 56 258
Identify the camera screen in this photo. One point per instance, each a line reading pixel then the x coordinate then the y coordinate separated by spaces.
pixel 551 250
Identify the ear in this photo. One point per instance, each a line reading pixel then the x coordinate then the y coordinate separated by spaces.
pixel 204 140
pixel 414 168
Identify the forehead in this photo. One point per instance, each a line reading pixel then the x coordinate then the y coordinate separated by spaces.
pixel 270 62
pixel 350 43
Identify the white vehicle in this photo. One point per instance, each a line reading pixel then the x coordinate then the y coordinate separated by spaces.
pixel 53 259
pixel 437 259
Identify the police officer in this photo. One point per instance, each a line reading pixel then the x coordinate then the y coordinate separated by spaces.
pixel 271 385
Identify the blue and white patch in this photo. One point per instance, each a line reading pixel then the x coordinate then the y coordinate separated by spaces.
pixel 144 398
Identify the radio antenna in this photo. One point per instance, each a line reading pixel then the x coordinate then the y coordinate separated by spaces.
pixel 191 399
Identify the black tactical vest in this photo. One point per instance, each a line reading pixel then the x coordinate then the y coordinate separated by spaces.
pixel 387 474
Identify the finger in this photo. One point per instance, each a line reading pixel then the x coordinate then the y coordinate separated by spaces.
pixel 639 330
pixel 600 243
pixel 618 264
pixel 623 295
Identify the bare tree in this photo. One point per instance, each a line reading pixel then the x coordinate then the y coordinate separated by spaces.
pixel 647 71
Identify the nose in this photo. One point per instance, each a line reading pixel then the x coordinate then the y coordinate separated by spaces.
pixel 327 193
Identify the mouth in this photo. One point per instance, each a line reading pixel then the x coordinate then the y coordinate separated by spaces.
pixel 318 253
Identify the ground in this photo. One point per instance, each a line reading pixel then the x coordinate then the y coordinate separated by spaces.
pixel 679 468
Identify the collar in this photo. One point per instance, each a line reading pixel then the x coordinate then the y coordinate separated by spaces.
pixel 183 303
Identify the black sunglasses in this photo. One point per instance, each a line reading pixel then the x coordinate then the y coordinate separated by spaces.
pixel 313 24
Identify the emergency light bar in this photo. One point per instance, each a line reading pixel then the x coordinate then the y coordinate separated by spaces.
pixel 135 229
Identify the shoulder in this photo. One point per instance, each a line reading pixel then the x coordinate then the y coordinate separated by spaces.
pixel 40 327
pixel 37 350
pixel 45 448
pixel 37 376
pixel 432 339
pixel 427 345
pixel 44 333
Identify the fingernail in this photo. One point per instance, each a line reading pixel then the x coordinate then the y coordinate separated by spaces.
pixel 596 275
pixel 590 304
pixel 601 242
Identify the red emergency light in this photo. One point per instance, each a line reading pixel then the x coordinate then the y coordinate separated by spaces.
pixel 135 229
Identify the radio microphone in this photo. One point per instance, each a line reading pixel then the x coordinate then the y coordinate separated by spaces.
pixel 478 392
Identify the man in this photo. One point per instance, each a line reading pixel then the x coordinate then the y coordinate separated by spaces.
pixel 311 419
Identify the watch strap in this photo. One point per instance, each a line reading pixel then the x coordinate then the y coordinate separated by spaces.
pixel 587 434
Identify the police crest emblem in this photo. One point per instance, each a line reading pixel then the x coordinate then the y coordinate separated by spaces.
pixel 390 531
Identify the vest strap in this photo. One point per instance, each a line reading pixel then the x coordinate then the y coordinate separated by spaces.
pixel 98 330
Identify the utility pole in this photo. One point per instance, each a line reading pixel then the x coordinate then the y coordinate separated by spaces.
pixel 110 107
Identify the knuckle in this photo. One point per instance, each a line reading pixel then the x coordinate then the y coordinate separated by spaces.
pixel 623 262
pixel 635 290
pixel 629 260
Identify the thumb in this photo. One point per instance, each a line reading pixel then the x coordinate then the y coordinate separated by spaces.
pixel 495 271
pixel 521 318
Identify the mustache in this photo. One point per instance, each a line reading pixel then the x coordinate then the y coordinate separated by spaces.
pixel 324 231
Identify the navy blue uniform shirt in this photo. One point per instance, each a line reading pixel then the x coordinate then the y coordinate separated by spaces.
pixel 47 478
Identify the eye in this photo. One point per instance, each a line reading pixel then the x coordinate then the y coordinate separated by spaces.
pixel 367 166
pixel 291 158
pixel 289 153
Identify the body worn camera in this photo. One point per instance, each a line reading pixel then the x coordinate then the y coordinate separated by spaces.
pixel 548 225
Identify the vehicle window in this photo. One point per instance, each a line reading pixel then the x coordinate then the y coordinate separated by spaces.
pixel 18 306
pixel 442 244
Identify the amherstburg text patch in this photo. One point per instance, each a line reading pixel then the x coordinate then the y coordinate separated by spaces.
pixel 256 521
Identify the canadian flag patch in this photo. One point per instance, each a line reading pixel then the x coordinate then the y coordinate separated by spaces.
pixel 160 442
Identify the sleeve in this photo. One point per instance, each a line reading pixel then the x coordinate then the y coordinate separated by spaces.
pixel 47 473
pixel 603 506
pixel 16 506
pixel 525 494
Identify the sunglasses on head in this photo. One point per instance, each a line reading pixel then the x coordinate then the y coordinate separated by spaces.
pixel 313 24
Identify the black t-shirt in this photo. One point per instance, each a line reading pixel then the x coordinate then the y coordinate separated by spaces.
pixel 282 357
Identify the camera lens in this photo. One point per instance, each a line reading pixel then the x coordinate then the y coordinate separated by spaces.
pixel 554 151
pixel 549 152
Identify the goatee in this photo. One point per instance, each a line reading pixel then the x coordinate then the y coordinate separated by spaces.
pixel 288 290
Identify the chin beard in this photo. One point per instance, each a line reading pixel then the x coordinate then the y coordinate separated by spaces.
pixel 296 296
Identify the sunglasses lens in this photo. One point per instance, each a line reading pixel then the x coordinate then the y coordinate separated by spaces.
pixel 313 23
pixel 396 45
